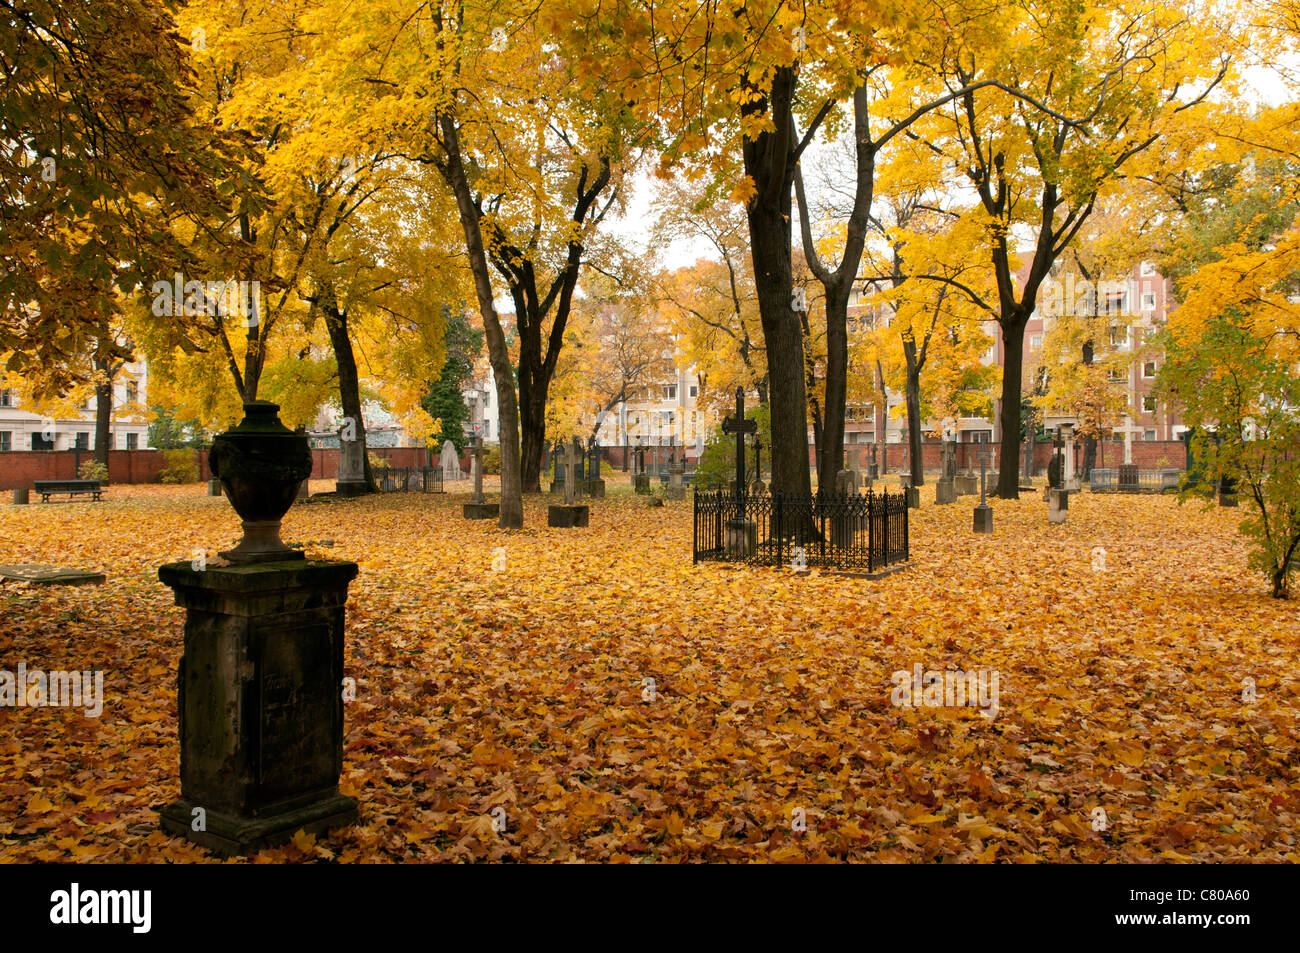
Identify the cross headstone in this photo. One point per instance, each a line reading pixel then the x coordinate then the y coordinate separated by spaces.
pixel 738 425
pixel 984 512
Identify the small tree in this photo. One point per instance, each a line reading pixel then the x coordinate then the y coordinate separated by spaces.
pixel 1242 385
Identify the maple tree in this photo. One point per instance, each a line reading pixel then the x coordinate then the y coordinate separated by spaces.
pixel 1098 85
pixel 104 156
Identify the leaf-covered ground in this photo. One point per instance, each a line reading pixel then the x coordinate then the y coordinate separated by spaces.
pixel 1120 688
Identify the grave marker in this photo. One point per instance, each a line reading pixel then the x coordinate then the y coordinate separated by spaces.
pixel 478 508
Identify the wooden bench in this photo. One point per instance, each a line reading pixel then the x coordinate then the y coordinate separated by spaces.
pixel 46 488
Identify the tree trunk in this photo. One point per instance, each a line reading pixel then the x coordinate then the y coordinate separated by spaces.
pixel 532 423
pixel 831 447
pixel 103 421
pixel 1013 348
pixel 336 323
pixel 768 162
pixel 914 449
pixel 453 170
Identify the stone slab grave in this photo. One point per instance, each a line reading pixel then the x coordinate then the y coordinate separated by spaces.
pixel 51 575
pixel 479 508
pixel 569 515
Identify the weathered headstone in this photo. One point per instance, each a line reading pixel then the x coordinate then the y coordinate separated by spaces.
pixel 945 491
pixel 50 575
pixel 21 496
pixel 913 493
pixel 478 508
pixel 569 514
pixel 640 479
pixel 351 480
pixel 1058 504
pixel 261 679
pixel 594 485
pixel 449 459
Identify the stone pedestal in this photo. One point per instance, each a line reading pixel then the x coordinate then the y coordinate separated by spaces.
pixel 352 473
pixel 1058 505
pixel 945 491
pixel 741 538
pixel 214 487
pixel 983 518
pixel 260 702
pixel 913 497
pixel 567 515
pixel 967 484
pixel 641 483
pixel 20 496
pixel 481 511
pixel 594 489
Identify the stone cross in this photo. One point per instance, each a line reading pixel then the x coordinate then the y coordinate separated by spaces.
pixel 477 451
pixel 570 459
pixel 738 425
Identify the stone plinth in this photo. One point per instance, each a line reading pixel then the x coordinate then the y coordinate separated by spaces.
pixel 20 496
pixel 913 497
pixel 567 515
pixel 741 538
pixel 594 489
pixel 945 491
pixel 983 518
pixel 1058 505
pixel 967 484
pixel 352 470
pixel 641 482
pixel 260 702
pixel 481 511
pixel 214 487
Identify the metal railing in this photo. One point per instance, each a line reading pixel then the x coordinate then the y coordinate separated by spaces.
pixel 1111 480
pixel 406 479
pixel 850 532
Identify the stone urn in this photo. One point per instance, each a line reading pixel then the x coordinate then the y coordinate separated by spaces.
pixel 261 463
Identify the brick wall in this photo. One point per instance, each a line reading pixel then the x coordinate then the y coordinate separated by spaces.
pixel 1147 454
pixel 19 468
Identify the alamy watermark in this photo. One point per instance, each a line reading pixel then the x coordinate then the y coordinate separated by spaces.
pixel 221 298
pixel 39 689
pixel 952 688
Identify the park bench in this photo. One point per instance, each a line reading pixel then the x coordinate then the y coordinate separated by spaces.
pixel 46 488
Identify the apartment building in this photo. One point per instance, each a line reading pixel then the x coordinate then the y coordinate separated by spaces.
pixel 22 429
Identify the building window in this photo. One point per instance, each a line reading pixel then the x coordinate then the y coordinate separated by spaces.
pixel 6 441
pixel 1036 341
pixel 1149 369
pixel 1116 302
pixel 132 392
pixel 132 440
pixel 1149 403
pixel 1118 335
pixel 83 441
pixel 670 392
pixel 40 443
pixel 1149 435
pixel 694 391
pixel 1115 373
pixel 1147 269
pixel 7 398
pixel 1148 301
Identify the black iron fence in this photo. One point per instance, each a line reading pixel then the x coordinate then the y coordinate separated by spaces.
pixel 405 479
pixel 835 531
